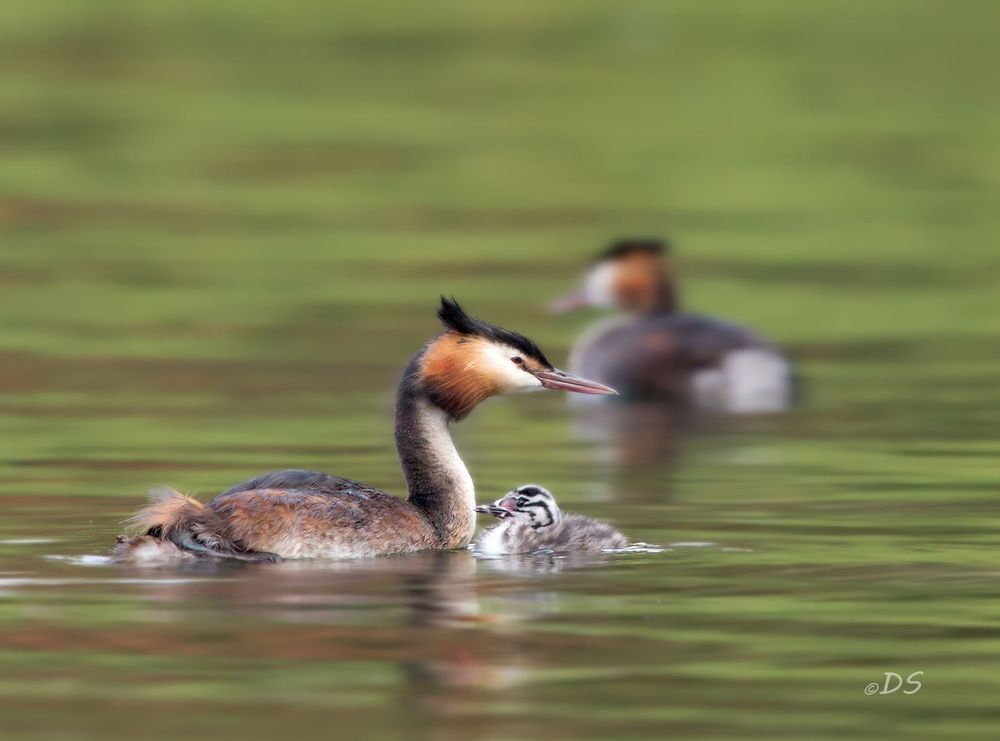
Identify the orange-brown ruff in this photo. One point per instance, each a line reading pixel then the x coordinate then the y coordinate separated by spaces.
pixel 307 514
pixel 460 372
pixel 643 283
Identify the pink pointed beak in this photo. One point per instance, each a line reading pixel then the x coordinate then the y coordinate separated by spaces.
pixel 559 380
pixel 501 508
pixel 569 302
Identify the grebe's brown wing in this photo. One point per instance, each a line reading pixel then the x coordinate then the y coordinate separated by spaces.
pixel 305 495
pixel 307 513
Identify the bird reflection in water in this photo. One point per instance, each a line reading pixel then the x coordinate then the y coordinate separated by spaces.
pixel 455 626
pixel 477 643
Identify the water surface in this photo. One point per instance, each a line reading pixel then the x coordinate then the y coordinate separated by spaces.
pixel 225 230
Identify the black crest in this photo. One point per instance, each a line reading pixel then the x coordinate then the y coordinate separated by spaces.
pixel 454 318
pixel 631 245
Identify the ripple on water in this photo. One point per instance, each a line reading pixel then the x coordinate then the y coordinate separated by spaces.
pixel 11 585
pixel 642 547
pixel 709 544
pixel 88 559
pixel 693 544
pixel 27 541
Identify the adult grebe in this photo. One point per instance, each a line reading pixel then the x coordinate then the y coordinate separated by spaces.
pixel 530 520
pixel 305 514
pixel 656 350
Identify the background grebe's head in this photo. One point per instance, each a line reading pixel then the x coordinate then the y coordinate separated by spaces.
pixel 473 360
pixel 631 275
pixel 529 503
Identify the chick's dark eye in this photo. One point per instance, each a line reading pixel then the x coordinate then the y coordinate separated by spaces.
pixel 517 360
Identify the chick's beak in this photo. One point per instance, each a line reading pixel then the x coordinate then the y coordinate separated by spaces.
pixel 493 509
pixel 559 380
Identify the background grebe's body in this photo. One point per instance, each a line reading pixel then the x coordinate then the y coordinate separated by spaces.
pixel 688 357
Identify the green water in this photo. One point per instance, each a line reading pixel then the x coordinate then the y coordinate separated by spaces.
pixel 223 229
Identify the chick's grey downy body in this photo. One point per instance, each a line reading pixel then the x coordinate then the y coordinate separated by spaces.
pixel 574 533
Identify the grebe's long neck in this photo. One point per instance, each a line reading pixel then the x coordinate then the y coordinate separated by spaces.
pixel 437 479
pixel 662 297
pixel 667 302
pixel 645 290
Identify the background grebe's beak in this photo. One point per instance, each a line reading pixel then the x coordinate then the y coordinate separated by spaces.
pixel 572 300
pixel 559 380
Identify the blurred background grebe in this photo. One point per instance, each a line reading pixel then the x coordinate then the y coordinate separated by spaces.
pixel 221 227
pixel 651 348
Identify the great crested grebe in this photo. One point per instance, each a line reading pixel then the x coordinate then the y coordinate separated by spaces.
pixel 655 350
pixel 305 514
pixel 530 520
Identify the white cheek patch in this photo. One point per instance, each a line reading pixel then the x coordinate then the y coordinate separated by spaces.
pixel 598 286
pixel 509 377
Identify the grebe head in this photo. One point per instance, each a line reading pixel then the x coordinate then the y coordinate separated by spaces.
pixel 473 360
pixel 631 275
pixel 530 503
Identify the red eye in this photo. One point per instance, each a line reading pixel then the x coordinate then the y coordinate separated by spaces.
pixel 517 360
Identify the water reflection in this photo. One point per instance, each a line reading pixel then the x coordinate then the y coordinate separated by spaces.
pixel 640 446
pixel 448 621
pixel 434 589
pixel 624 433
pixel 543 563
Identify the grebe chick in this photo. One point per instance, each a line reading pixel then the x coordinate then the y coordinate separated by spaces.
pixel 530 520
pixel 656 350
pixel 306 514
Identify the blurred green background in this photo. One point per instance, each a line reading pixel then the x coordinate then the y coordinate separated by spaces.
pixel 224 226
